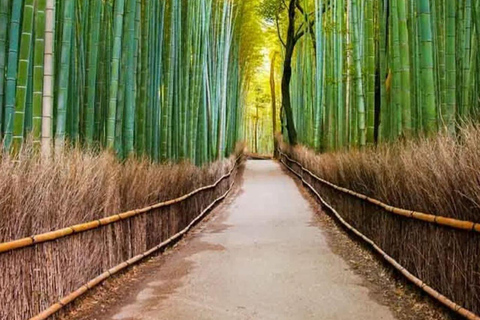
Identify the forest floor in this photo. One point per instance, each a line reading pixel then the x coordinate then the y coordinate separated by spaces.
pixel 267 252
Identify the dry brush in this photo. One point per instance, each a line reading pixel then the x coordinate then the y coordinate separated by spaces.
pixel 79 187
pixel 439 176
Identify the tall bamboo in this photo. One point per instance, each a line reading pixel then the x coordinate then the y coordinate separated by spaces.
pixel 4 14
pixel 92 65
pixel 115 71
pixel 12 68
pixel 48 83
pixel 23 74
pixel 426 65
pixel 64 74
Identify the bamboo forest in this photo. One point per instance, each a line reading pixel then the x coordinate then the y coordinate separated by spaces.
pixel 239 159
pixel 161 78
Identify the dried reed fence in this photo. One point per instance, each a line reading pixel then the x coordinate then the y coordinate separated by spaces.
pixel 439 255
pixel 35 277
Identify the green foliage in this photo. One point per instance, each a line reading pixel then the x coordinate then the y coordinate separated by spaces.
pixel 271 9
pixel 384 70
pixel 163 79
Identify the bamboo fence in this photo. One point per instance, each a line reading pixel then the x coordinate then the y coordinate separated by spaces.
pixel 441 251
pixel 48 271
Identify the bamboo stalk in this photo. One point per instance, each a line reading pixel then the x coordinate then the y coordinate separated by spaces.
pixel 64 75
pixel 4 15
pixel 12 70
pixel 48 83
pixel 115 73
pixel 23 75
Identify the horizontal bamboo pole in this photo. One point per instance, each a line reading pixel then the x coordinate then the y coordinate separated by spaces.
pixel 439 220
pixel 418 282
pixel 107 274
pixel 57 234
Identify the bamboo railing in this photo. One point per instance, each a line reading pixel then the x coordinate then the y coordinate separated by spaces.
pixel 64 232
pixel 91 225
pixel 440 220
pixel 112 219
pixel 107 274
pixel 453 223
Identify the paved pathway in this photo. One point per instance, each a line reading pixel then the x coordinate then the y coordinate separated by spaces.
pixel 261 257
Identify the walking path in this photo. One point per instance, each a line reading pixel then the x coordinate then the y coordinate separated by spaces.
pixel 260 257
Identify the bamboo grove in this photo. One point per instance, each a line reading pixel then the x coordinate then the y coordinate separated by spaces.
pixel 368 71
pixel 156 78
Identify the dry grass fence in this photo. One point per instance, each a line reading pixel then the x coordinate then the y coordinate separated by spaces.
pixel 438 176
pixel 38 197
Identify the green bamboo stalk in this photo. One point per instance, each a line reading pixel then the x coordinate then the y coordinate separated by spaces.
pixel 92 71
pixel 223 103
pixel 396 110
pixel 137 71
pixel 38 71
pixel 122 83
pixel 115 73
pixel 129 122
pixel 103 76
pixel 142 104
pixel 319 75
pixel 149 82
pixel 404 68
pixel 384 133
pixel 427 67
pixel 23 74
pixel 64 74
pixel 358 72
pixel 451 68
pixel 12 68
pixel 4 14
pixel 28 116
pixel 466 62
pixel 340 101
pixel 370 71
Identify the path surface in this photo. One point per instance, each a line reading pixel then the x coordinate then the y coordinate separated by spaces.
pixel 261 257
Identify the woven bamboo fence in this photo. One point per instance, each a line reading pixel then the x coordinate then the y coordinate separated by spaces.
pixel 43 273
pixel 438 254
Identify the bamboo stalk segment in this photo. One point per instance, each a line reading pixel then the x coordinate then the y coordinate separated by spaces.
pixel 86 226
pixel 401 212
pixel 57 234
pixel 16 244
pixel 418 282
pixel 430 218
pixel 49 236
pixel 128 214
pixel 109 220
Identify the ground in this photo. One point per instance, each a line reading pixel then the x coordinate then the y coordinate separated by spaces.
pixel 268 252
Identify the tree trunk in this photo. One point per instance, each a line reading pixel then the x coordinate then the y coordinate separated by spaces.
pixel 287 74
